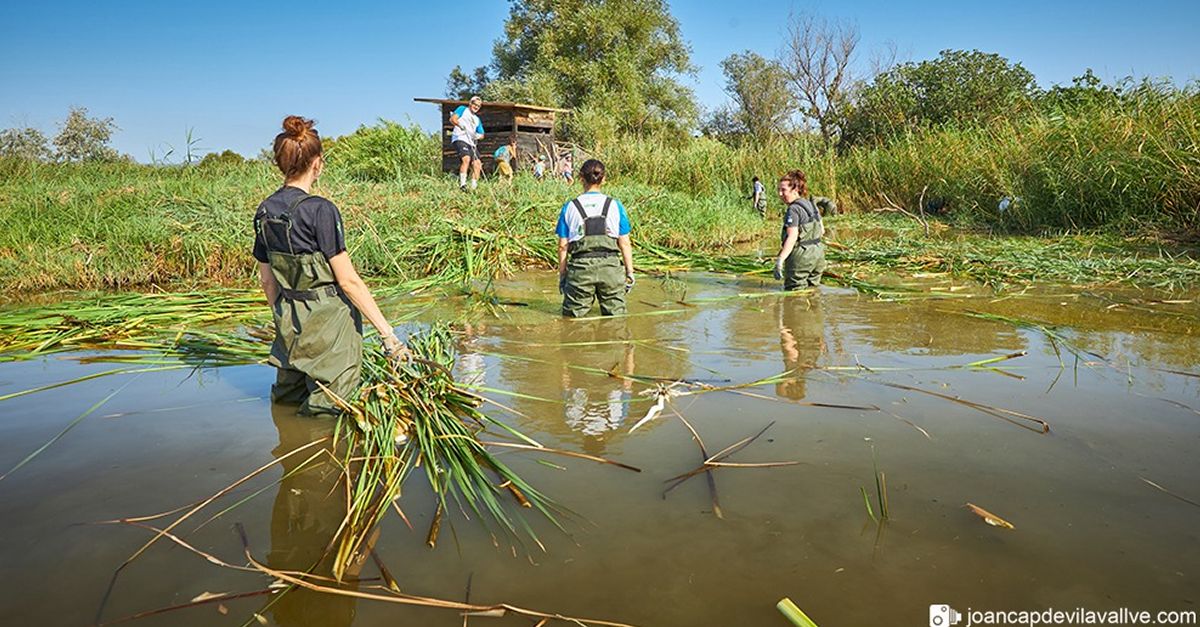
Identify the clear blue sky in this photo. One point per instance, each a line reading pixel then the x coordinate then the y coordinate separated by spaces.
pixel 232 70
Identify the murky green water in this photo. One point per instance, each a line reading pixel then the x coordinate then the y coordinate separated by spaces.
pixel 1089 531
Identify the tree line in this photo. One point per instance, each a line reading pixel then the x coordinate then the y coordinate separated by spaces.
pixel 621 65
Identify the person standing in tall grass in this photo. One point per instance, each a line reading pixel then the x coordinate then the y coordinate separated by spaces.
pixel 317 298
pixel 504 156
pixel 468 130
pixel 594 248
pixel 801 258
pixel 758 196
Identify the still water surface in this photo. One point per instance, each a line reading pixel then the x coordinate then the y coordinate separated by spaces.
pixel 1089 531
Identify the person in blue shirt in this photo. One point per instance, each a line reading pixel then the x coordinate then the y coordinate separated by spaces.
pixel 504 156
pixel 468 130
pixel 595 256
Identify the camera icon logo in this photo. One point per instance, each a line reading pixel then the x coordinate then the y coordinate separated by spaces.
pixel 943 616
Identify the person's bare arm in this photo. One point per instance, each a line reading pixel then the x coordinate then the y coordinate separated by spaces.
pixel 358 293
pixel 266 279
pixel 789 243
pixel 626 247
pixel 562 257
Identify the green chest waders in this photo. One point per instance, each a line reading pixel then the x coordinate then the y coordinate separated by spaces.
pixel 594 268
pixel 318 333
pixel 804 266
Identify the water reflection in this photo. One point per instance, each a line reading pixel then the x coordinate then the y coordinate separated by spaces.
pixel 567 361
pixel 308 510
pixel 801 325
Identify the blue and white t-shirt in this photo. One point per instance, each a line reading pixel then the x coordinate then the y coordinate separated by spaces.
pixel 468 128
pixel 570 223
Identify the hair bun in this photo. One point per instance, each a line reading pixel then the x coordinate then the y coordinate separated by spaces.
pixel 296 126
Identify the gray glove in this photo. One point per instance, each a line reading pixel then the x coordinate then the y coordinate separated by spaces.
pixel 629 282
pixel 395 350
pixel 778 271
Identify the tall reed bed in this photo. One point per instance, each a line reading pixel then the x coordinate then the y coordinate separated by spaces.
pixel 706 167
pixel 1133 168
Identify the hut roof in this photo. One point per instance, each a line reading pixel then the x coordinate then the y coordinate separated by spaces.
pixel 502 105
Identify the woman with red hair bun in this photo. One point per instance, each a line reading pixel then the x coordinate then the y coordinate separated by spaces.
pixel 801 259
pixel 317 297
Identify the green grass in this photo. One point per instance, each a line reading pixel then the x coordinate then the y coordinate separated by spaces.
pixel 1102 196
pixel 93 226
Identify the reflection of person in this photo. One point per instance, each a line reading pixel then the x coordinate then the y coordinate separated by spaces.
pixel 801 342
pixel 593 246
pixel 504 156
pixel 593 406
pixel 308 511
pixel 467 131
pixel 317 297
pixel 801 257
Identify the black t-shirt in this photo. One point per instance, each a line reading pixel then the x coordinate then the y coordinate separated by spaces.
pixel 316 225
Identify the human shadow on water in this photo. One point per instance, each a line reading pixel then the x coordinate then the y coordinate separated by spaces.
pixel 801 324
pixel 308 510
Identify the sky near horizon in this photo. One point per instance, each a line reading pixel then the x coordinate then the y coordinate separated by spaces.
pixel 230 71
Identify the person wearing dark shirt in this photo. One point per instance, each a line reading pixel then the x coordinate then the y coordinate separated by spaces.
pixel 801 259
pixel 317 297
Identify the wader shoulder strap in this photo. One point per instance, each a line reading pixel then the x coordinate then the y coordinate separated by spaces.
pixel 604 212
pixel 579 208
pixel 814 215
pixel 296 203
pixel 284 219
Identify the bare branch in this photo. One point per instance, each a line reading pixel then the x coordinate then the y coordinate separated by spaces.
pixel 816 57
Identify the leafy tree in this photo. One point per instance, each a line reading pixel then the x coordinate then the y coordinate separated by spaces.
pixel 817 56
pixel 762 104
pixel 959 87
pixel 461 86
pixel 616 62
pixel 1085 90
pixel 81 138
pixel 225 158
pixel 24 143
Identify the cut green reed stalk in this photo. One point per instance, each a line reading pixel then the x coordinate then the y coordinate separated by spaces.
pixel 414 411
pixel 880 487
pixel 880 492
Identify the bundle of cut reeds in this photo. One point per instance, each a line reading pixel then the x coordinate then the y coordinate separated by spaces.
pixel 412 413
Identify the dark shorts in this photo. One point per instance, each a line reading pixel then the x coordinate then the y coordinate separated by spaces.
pixel 463 149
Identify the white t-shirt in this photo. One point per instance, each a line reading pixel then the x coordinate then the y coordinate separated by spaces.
pixel 570 223
pixel 468 128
